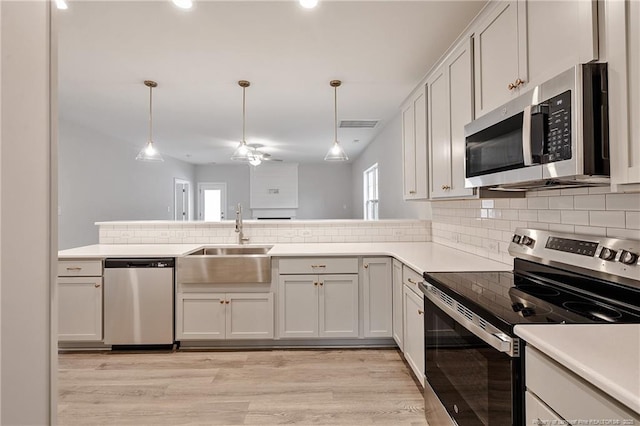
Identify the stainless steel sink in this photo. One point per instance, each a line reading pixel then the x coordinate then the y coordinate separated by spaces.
pixel 233 251
pixel 225 265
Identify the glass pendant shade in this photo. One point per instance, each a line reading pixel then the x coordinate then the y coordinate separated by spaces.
pixel 336 152
pixel 242 152
pixel 149 153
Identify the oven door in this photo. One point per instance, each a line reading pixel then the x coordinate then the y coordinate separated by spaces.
pixel 476 384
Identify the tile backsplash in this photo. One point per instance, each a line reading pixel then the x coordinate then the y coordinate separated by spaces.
pixel 262 232
pixel 485 227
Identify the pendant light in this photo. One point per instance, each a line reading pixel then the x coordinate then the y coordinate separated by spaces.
pixel 336 153
pixel 149 152
pixel 243 152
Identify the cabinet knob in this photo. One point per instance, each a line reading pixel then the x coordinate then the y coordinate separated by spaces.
pixel 420 312
pixel 511 86
pixel 321 284
pixel 97 286
pixel 315 283
pixel 445 187
pixel 222 302
pixel 519 82
pixel 366 265
pixel 226 302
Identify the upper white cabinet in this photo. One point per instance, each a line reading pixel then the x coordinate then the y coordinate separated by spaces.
pixel 623 55
pixel 518 44
pixel 500 55
pixel 449 108
pixel 414 146
pixel 377 291
pixel 560 34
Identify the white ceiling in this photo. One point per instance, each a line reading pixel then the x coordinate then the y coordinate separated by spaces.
pixel 379 49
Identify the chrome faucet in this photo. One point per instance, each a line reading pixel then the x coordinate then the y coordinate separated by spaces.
pixel 241 237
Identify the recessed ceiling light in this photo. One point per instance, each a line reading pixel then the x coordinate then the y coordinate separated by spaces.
pixel 183 4
pixel 308 4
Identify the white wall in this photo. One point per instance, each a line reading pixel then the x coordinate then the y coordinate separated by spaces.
pixel 324 191
pixel 26 231
pixel 100 180
pixel 237 179
pixel 386 150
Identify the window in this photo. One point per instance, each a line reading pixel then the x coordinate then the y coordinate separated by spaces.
pixel 370 178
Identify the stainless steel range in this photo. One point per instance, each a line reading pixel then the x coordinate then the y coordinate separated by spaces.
pixel 473 365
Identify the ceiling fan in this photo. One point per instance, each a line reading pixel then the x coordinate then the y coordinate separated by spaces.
pixel 256 156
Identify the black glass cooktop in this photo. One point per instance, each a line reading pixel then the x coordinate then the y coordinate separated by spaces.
pixel 536 293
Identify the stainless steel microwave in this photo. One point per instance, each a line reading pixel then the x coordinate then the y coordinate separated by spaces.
pixel 554 135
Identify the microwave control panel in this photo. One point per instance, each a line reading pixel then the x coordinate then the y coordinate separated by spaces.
pixel 557 146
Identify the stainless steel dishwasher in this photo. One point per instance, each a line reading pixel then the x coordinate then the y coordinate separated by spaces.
pixel 138 301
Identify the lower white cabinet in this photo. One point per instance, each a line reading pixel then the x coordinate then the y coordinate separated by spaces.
pixel 80 309
pixel 397 304
pixel 413 312
pixel 559 390
pixel 318 305
pixel 377 290
pixel 215 316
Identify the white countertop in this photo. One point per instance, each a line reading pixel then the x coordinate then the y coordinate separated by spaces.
pixel 608 356
pixel 420 256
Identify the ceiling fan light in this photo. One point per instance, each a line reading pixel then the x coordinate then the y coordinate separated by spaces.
pixel 62 4
pixel 308 4
pixel 336 153
pixel 183 4
pixel 150 154
pixel 242 152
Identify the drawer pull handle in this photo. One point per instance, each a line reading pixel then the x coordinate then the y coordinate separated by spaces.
pixel 414 282
pixel 318 266
pixel 412 192
pixel 74 268
pixel 97 286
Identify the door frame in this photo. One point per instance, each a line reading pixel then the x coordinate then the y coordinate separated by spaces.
pixel 187 208
pixel 223 199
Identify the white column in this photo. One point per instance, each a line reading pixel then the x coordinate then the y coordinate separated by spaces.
pixel 27 232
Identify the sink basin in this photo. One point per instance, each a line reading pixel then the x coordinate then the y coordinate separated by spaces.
pixel 225 265
pixel 231 251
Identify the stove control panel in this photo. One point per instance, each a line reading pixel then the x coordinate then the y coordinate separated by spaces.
pixel 607 255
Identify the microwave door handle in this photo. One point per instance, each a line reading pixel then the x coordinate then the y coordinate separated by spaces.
pixel 526 136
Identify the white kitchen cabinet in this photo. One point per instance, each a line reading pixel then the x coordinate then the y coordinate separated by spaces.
pixel 567 394
pixel 414 146
pixel 622 28
pixel 80 291
pixel 377 290
pixel 318 305
pixel 79 309
pixel 413 311
pixel 537 412
pixel 217 316
pixel 560 34
pixel 500 58
pixel 449 109
pixel 398 334
pixel 518 44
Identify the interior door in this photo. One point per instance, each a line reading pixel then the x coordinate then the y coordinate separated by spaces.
pixel 212 201
pixel 182 191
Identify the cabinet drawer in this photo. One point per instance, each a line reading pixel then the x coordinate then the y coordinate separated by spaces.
pixel 319 265
pixel 411 279
pixel 80 268
pixel 567 394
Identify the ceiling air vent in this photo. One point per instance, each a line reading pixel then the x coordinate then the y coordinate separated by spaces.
pixel 358 124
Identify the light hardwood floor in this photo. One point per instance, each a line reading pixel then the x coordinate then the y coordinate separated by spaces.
pixel 314 387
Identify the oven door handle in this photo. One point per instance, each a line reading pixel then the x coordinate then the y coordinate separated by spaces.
pixel 497 340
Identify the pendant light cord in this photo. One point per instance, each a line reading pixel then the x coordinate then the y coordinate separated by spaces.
pixel 243 115
pixel 150 114
pixel 335 114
